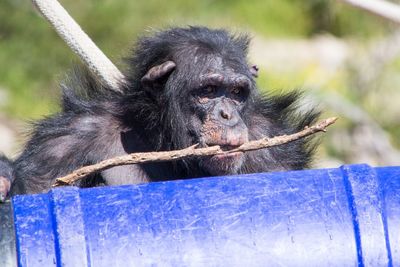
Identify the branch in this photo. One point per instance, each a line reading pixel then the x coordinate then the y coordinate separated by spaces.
pixel 191 151
pixel 382 8
pixel 80 43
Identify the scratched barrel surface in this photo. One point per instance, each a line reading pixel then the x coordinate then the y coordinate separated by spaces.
pixel 348 216
pixel 7 236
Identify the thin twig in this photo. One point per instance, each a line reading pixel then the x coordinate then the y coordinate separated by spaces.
pixel 80 43
pixel 382 8
pixel 136 158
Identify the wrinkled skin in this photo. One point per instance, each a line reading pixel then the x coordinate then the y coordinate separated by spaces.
pixel 221 98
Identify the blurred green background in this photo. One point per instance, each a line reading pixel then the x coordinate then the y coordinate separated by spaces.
pixel 346 60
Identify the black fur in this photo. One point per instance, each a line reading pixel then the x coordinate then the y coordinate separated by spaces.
pixel 6 168
pixel 96 123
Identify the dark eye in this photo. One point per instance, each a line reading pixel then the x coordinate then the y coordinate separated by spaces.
pixel 236 91
pixel 209 90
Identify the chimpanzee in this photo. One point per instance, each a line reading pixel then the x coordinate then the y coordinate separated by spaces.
pixel 184 86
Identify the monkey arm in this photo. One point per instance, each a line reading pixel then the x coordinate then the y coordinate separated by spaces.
pixel 67 141
pixel 57 146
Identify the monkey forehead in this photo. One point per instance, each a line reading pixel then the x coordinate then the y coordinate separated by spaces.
pixel 225 78
pixel 206 61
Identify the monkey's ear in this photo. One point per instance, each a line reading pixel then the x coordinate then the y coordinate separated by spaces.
pixel 254 71
pixel 157 73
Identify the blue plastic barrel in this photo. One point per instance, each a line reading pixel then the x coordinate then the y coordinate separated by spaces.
pixel 349 216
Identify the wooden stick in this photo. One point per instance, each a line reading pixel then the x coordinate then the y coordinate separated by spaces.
pixel 382 8
pixel 136 158
pixel 80 43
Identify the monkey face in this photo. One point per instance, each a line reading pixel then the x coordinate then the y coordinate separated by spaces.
pixel 212 94
pixel 219 102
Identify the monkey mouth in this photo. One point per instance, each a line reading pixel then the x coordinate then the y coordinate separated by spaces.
pixel 229 156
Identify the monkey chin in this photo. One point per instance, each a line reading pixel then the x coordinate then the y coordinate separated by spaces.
pixel 224 164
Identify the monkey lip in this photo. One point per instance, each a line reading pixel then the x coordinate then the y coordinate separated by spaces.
pixel 226 156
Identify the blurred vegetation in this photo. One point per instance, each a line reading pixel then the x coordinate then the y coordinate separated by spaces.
pixel 34 59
